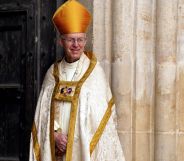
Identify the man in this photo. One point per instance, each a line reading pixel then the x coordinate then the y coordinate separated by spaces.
pixel 75 114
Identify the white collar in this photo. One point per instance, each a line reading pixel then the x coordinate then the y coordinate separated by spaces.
pixel 75 65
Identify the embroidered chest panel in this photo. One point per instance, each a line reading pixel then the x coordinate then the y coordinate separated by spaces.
pixel 65 91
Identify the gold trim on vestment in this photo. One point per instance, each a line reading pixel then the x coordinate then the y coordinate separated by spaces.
pixel 35 142
pixel 56 73
pixel 52 111
pixel 74 105
pixel 71 129
pixel 102 126
pixel 74 108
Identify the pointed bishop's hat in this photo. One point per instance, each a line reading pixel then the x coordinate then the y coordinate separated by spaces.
pixel 71 17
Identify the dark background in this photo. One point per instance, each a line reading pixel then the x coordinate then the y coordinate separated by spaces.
pixel 28 47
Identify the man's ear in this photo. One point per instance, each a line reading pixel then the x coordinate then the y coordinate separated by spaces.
pixel 60 42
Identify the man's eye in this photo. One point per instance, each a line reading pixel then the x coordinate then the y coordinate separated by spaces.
pixel 70 40
pixel 80 40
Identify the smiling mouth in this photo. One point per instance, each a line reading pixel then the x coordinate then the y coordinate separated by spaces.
pixel 76 50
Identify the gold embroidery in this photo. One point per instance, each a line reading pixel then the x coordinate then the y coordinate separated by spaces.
pixel 74 109
pixel 56 73
pixel 101 127
pixel 71 130
pixel 74 101
pixel 35 143
pixel 52 111
pixel 64 96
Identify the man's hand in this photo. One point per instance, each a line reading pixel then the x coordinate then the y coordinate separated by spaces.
pixel 60 141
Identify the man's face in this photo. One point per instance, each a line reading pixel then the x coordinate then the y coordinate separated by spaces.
pixel 73 44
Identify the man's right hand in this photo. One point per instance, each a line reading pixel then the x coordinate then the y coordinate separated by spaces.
pixel 60 141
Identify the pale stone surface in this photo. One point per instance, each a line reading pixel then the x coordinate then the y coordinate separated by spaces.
pixel 143 147
pixel 180 84
pixel 123 113
pixel 126 138
pixel 165 138
pixel 166 101
pixel 144 80
pixel 123 63
pixel 102 37
pixel 180 98
pixel 180 68
pixel 140 45
pixel 180 147
pixel 166 147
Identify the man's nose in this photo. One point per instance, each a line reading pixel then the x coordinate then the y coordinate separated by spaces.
pixel 75 43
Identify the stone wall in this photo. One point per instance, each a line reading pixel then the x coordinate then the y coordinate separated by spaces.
pixel 140 44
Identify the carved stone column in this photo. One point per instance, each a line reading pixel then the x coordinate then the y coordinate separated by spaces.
pixel 180 83
pixel 140 44
pixel 169 82
pixel 133 76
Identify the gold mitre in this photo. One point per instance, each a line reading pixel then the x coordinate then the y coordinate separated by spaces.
pixel 71 17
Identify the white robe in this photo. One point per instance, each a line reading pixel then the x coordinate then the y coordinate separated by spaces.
pixel 93 102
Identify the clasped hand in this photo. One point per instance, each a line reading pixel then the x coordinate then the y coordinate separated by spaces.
pixel 60 141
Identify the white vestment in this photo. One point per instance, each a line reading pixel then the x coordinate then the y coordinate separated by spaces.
pixel 93 102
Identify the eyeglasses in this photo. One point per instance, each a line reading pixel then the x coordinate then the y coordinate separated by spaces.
pixel 80 40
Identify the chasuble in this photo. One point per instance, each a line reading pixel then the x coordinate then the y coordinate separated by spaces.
pixel 76 98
